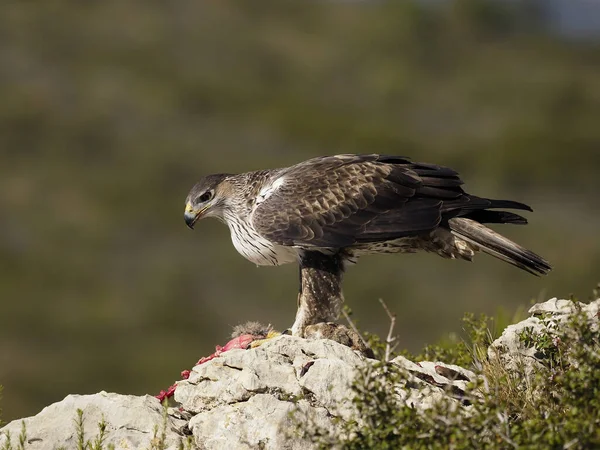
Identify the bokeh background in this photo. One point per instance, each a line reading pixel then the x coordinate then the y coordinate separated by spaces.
pixel 110 111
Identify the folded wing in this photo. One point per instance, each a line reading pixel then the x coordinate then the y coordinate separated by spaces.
pixel 338 201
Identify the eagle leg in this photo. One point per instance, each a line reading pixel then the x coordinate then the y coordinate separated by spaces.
pixel 320 298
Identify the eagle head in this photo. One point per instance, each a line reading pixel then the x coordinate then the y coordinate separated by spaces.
pixel 205 199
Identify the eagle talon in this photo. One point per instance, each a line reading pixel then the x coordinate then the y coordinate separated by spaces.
pixel 340 334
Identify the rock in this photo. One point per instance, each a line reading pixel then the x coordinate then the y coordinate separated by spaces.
pixel 561 309
pixel 283 373
pixel 434 382
pixel 261 422
pixel 511 351
pixel 130 420
pixel 516 353
pixel 246 397
pixel 264 397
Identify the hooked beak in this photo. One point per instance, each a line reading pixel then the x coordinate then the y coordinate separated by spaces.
pixel 191 215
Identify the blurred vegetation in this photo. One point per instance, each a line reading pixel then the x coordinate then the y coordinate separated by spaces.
pixel 110 111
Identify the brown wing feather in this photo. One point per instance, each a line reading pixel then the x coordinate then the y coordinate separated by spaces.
pixel 337 201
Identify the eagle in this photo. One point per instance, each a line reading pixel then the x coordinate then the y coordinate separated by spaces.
pixel 327 212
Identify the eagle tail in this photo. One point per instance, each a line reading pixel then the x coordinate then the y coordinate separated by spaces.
pixel 498 246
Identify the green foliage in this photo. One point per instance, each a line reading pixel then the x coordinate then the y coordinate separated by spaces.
pixel 98 442
pixel 378 410
pixel 159 438
pixel 455 350
pixel 558 407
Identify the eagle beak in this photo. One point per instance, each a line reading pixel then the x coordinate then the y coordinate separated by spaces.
pixel 191 215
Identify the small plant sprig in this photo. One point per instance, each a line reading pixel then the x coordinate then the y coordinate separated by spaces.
pixel 22 439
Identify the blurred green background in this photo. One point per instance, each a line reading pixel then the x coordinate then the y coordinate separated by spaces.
pixel 110 111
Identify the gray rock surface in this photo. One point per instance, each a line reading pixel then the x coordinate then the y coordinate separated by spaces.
pixel 232 394
pixel 263 397
pixel 130 423
pixel 511 349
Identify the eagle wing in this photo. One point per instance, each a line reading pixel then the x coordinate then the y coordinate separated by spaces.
pixel 338 201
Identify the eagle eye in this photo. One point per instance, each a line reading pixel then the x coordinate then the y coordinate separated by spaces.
pixel 204 197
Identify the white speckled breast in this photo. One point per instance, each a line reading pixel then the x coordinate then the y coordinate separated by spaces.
pixel 257 249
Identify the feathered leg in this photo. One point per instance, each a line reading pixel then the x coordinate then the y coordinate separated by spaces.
pixel 320 298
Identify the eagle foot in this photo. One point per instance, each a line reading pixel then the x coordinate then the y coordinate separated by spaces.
pixel 340 334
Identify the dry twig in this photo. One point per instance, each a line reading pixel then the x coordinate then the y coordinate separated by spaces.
pixel 390 337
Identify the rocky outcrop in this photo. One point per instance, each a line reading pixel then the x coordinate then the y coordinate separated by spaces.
pixel 264 397
pixel 131 423
pixel 514 348
pixel 246 398
pixel 243 399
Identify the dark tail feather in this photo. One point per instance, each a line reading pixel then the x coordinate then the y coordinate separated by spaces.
pixel 509 204
pixel 487 216
pixel 497 245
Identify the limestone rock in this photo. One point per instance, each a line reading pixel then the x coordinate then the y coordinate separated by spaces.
pixel 263 422
pixel 265 397
pixel 511 348
pixel 433 382
pixel 232 395
pixel 558 307
pixel 130 420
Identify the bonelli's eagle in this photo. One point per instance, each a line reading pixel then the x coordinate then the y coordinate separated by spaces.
pixel 331 210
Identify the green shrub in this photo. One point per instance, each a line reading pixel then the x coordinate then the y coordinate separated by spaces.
pixel 557 407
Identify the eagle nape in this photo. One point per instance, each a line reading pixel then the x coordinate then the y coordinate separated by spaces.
pixel 331 210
